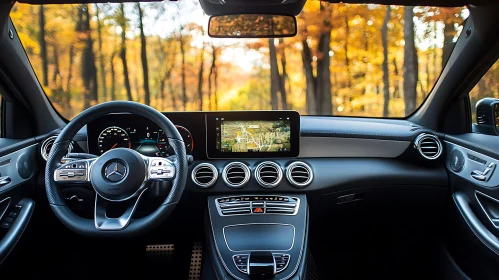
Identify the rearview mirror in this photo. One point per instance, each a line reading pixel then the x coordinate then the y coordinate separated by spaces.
pixel 252 26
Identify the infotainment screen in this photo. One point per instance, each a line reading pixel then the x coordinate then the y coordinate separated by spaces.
pixel 253 134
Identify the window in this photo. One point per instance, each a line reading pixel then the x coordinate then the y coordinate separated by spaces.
pixel 90 53
pixel 488 86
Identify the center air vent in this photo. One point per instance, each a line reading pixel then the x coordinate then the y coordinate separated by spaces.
pixel 428 145
pixel 236 174
pixel 268 174
pixel 47 146
pixel 204 175
pixel 299 174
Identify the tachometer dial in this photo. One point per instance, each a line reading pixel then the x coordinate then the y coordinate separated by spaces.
pixel 165 149
pixel 113 137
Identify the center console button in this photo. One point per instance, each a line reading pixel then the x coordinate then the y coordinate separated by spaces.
pixel 258 210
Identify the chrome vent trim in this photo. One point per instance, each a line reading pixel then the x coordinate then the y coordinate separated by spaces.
pixel 204 175
pixel 47 145
pixel 257 205
pixel 299 174
pixel 236 174
pixel 268 174
pixel 429 146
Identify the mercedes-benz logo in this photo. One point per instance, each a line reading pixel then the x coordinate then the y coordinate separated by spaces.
pixel 115 171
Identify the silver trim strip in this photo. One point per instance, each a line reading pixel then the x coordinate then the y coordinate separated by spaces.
pixel 249 224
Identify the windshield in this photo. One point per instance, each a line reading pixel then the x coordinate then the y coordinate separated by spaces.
pixel 346 60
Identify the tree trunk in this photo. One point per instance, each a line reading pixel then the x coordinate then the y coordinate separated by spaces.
pixel 396 91
pixel 58 92
pixel 324 73
pixel 184 87
pixel 283 78
pixel 200 78
pixel 449 33
pixel 57 70
pixel 43 46
pixel 345 46
pixel 70 76
pixel 310 79
pixel 171 91
pixel 122 22
pixel 274 76
pixel 102 70
pixel 211 79
pixel 215 80
pixel 410 62
pixel 435 53
pixel 386 77
pixel 113 76
pixel 89 72
pixel 143 57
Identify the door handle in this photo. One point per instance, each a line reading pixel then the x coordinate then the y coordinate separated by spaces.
pixel 483 234
pixel 4 181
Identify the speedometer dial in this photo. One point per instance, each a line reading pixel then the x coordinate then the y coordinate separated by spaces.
pixel 165 149
pixel 113 137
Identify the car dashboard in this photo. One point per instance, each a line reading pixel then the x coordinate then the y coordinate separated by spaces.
pixel 260 173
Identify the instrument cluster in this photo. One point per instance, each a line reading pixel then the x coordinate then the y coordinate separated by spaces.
pixel 147 139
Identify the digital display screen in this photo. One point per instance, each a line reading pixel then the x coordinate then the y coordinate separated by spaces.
pixel 253 136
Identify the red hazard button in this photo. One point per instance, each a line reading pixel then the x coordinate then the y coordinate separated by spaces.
pixel 258 210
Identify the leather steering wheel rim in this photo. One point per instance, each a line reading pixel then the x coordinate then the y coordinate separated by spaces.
pixel 135 227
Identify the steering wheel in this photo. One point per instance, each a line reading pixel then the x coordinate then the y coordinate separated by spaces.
pixel 118 175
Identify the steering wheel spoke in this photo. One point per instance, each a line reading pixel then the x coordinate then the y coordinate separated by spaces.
pixel 159 169
pixel 103 222
pixel 74 172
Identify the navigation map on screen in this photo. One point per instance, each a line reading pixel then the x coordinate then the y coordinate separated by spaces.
pixel 255 136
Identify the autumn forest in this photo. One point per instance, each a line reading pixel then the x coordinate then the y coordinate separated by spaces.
pixel 352 60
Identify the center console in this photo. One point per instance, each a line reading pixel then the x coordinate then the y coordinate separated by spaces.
pixel 258 230
pixel 258 236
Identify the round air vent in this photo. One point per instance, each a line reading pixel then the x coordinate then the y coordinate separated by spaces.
pixel 236 174
pixel 428 145
pixel 204 175
pixel 47 146
pixel 299 174
pixel 268 174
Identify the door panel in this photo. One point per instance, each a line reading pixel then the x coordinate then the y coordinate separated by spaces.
pixel 18 168
pixel 473 232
